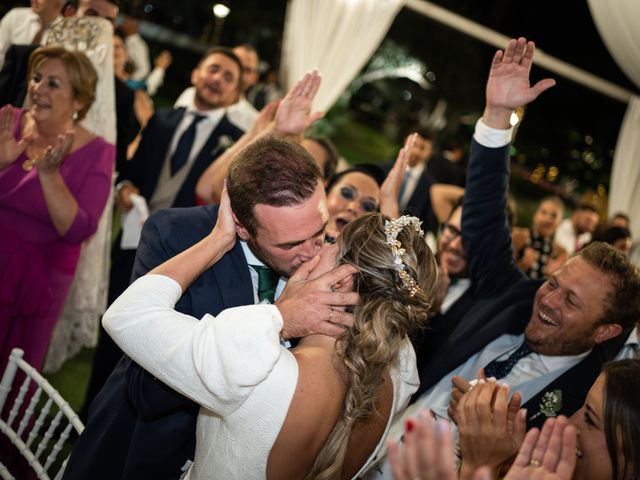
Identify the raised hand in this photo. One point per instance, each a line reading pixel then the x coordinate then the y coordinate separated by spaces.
pixel 49 162
pixel 391 186
pixel 10 150
pixel 294 114
pixel 508 85
pixel 264 118
pixel 443 282
pixel 546 455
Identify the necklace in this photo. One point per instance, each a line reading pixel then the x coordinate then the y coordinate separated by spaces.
pixel 32 157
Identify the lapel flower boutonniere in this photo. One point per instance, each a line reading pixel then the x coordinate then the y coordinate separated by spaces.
pixel 550 405
pixel 224 142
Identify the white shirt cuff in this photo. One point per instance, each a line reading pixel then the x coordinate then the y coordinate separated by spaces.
pixel 491 137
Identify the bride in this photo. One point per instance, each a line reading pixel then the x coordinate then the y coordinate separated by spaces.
pixel 320 410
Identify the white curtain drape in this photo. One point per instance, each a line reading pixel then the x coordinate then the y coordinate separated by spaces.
pixel 625 174
pixel 617 23
pixel 336 37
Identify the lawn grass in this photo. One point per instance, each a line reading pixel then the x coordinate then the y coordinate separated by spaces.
pixel 73 377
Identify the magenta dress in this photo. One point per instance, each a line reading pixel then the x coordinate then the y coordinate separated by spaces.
pixel 36 263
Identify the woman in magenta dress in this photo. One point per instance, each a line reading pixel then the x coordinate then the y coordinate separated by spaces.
pixel 55 178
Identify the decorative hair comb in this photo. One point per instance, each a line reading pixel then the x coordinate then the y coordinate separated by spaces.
pixel 391 229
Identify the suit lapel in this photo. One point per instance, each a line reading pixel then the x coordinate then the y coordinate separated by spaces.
pixel 566 394
pixel 166 129
pixel 213 147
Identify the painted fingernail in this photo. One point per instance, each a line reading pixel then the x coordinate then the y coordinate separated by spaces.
pixel 409 425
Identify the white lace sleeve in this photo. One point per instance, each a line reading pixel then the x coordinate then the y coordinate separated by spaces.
pixel 217 361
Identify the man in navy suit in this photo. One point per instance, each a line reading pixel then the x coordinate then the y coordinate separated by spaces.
pixel 155 172
pixel 197 134
pixel 414 197
pixel 138 427
pixel 564 328
pixel 553 337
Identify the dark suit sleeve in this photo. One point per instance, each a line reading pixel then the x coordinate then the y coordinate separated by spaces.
pixel 149 396
pixel 485 231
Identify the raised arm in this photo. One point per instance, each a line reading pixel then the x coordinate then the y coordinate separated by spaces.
pixel 390 188
pixel 187 266
pixel 443 198
pixel 290 117
pixel 485 230
pixel 211 182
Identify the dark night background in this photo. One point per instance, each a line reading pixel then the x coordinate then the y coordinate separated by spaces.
pixel 571 128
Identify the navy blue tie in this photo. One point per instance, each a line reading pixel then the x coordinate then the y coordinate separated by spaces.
pixel 183 149
pixel 500 369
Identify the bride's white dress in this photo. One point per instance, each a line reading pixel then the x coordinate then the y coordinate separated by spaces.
pixel 87 298
pixel 233 365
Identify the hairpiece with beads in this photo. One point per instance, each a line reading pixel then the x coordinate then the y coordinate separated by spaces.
pixel 391 229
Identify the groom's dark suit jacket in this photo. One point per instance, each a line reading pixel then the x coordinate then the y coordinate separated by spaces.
pixel 143 170
pixel 503 295
pixel 138 428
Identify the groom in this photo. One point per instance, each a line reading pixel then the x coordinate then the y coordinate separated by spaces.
pixel 138 427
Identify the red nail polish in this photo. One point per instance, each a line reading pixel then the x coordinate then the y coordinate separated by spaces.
pixel 409 425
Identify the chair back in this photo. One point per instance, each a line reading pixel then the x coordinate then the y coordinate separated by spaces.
pixel 38 429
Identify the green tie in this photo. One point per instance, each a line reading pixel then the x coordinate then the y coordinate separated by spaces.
pixel 267 282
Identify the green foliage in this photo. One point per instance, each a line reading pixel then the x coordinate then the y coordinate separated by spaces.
pixel 359 143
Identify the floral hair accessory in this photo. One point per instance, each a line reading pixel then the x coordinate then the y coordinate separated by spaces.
pixel 391 229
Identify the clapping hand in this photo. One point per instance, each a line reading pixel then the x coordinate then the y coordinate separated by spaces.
pixel 427 451
pixel 53 156
pixel 549 454
pixel 10 150
pixel 294 114
pixel 491 426
pixel 443 282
